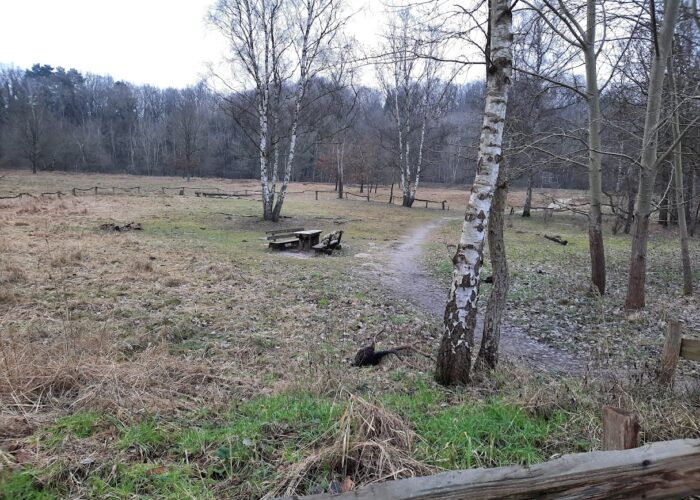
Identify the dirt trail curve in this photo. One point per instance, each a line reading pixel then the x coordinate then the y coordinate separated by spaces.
pixel 408 279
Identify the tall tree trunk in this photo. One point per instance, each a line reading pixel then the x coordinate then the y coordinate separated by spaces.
pixel 631 194
pixel 406 176
pixel 419 165
pixel 664 206
pixel 264 161
pixel 595 215
pixel 454 356
pixel 680 192
pixel 693 217
pixel 339 150
pixel 528 196
pixel 647 176
pixel 487 359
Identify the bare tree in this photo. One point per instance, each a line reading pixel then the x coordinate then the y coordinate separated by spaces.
pixel 410 78
pixel 454 356
pixel 661 41
pixel 272 42
pixel 576 25
pixel 678 177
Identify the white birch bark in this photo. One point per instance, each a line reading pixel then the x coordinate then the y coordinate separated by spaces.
pixel 454 356
pixel 419 164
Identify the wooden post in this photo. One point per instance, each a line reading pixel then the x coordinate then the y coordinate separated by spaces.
pixel 95 190
pixel 370 189
pixel 138 189
pixel 426 203
pixel 620 429
pixel 443 204
pixel 671 352
pixel 316 195
pixel 73 190
pixel 391 194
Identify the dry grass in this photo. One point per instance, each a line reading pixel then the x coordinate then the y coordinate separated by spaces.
pixel 192 317
pixel 370 445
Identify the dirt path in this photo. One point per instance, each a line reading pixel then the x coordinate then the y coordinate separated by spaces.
pixel 408 279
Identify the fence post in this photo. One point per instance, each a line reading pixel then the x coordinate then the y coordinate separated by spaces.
pixel 671 352
pixel 138 189
pixel 620 429
pixel 368 194
pixel 316 195
pixel 443 204
pixel 73 191
pixel 95 190
pixel 391 194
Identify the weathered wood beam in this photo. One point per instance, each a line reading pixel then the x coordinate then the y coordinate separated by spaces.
pixel 690 349
pixel 620 429
pixel 656 470
pixel 670 353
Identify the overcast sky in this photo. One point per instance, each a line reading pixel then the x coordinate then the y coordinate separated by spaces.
pixel 160 42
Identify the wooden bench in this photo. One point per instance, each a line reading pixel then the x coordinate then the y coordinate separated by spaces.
pixel 329 242
pixel 279 239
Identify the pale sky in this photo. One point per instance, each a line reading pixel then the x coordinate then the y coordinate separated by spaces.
pixel 166 43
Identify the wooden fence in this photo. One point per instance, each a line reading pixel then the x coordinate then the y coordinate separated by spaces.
pixel 215 192
pixel 656 470
pixel 676 347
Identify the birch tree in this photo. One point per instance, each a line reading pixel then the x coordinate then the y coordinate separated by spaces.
pixel 661 42
pixel 273 42
pixel 454 356
pixel 411 82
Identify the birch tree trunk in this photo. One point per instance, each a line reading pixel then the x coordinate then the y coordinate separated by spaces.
pixel 407 201
pixel 647 177
pixel 487 359
pixel 595 216
pixel 454 356
pixel 264 161
pixel 419 165
pixel 680 191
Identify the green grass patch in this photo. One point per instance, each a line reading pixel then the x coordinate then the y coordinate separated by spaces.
pixel 23 486
pixel 474 433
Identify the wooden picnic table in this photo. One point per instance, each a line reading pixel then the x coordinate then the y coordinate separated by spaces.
pixel 308 238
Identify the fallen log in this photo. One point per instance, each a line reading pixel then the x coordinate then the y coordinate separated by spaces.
pixel 556 239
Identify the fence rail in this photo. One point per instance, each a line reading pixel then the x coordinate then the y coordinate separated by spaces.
pixel 657 470
pixel 216 192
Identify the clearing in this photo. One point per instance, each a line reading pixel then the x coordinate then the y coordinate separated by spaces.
pixel 186 359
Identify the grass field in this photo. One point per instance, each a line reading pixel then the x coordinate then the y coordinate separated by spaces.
pixel 187 360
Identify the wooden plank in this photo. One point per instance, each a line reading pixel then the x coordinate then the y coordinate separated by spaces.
pixel 690 349
pixel 671 351
pixel 656 470
pixel 620 429
pixel 288 230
